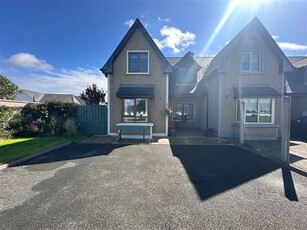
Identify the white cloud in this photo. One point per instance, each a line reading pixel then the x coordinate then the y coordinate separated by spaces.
pixel 51 80
pixel 129 22
pixel 291 46
pixel 175 39
pixel 29 61
pixel 164 19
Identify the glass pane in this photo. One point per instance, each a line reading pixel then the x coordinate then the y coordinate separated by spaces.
pixel 144 62
pixel 141 107
pixel 133 62
pixel 181 75
pixel 190 75
pixel 255 62
pixel 251 110
pixel 245 62
pixel 128 107
pixel 188 112
pixel 265 110
pixel 177 112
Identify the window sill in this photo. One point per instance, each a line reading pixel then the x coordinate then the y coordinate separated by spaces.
pixel 257 125
pixel 137 73
pixel 251 73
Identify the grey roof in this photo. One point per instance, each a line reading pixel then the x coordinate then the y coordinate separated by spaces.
pixel 133 91
pixel 108 66
pixel 298 60
pixel 249 91
pixel 64 98
pixel 78 98
pixel 295 83
pixel 300 63
pixel 31 94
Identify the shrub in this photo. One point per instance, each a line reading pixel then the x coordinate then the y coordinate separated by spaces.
pixel 70 127
pixel 7 117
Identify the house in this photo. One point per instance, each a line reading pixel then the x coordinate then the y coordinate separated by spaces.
pixel 31 96
pixel 238 92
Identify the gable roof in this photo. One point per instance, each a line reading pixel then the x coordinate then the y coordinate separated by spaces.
pixel 64 98
pixel 254 25
pixel 108 66
pixel 298 62
pixel 32 95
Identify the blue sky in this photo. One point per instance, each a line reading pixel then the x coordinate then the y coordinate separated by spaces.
pixel 58 46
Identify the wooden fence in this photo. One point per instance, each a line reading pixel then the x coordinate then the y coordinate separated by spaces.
pixel 93 119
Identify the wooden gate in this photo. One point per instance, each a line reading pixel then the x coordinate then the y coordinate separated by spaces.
pixel 93 119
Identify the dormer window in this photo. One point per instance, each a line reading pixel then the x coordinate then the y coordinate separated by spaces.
pixel 185 76
pixel 251 62
pixel 138 62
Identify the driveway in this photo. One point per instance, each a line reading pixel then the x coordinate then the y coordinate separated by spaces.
pixel 105 186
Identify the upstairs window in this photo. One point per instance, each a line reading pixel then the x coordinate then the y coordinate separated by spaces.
pixel 138 62
pixel 185 76
pixel 251 62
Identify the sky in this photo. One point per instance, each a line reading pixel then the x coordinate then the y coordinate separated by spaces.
pixel 58 46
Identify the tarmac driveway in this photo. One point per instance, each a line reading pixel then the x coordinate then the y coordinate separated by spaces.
pixel 105 186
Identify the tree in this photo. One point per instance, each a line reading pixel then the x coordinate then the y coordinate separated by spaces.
pixel 92 95
pixel 7 88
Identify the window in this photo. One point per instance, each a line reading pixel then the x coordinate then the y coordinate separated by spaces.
pixel 251 62
pixel 183 112
pixel 257 110
pixel 135 110
pixel 185 76
pixel 138 62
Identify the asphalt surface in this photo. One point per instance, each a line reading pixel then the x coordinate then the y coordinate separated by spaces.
pixel 91 186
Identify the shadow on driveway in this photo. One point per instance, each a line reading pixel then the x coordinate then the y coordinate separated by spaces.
pixel 72 152
pixel 214 169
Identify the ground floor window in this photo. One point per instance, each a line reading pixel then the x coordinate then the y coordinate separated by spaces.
pixel 257 110
pixel 135 110
pixel 183 111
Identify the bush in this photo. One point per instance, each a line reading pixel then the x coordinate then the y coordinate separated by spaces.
pixel 7 119
pixel 70 127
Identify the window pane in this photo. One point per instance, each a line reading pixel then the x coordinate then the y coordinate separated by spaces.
pixel 255 62
pixel 133 62
pixel 245 62
pixel 181 75
pixel 190 75
pixel 141 107
pixel 188 111
pixel 144 62
pixel 177 112
pixel 251 110
pixel 265 110
pixel 128 107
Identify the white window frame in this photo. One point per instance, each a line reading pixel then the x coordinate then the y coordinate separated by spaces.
pixel 250 62
pixel 260 123
pixel 137 51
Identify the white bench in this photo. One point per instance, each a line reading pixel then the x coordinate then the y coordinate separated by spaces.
pixel 134 126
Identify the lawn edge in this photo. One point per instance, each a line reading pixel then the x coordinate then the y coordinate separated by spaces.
pixel 20 160
pixel 279 162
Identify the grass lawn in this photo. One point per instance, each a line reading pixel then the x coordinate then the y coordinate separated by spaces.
pixel 15 148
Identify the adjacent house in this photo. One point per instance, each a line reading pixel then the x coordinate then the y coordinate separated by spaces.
pixel 31 96
pixel 242 86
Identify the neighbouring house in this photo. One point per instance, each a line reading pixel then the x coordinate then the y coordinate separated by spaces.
pixel 246 80
pixel 31 96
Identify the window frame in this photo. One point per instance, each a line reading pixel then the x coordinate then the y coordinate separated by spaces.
pixel 258 111
pixel 135 117
pixel 128 61
pixel 250 62
pixel 187 80
pixel 183 103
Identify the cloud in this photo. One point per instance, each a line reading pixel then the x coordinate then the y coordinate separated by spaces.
pixel 51 80
pixel 175 39
pixel 29 61
pixel 164 19
pixel 129 22
pixel 291 46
